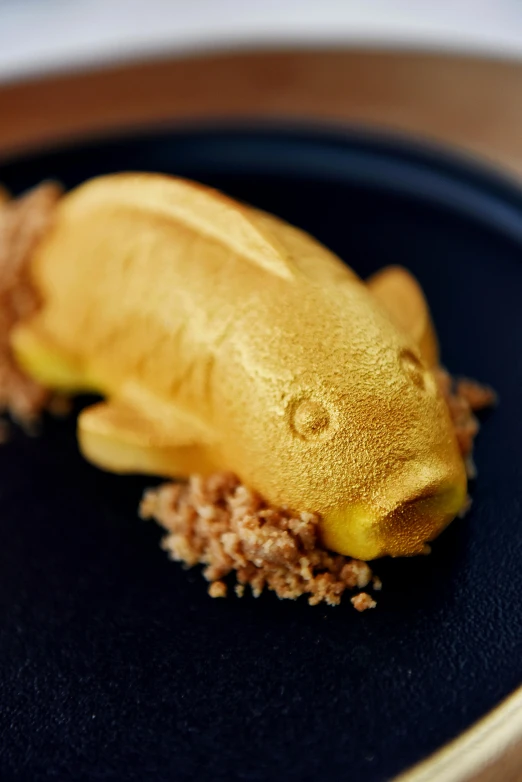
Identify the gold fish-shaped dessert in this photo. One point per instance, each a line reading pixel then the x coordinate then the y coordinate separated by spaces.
pixel 223 338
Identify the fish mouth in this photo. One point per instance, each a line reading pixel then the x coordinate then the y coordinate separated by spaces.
pixel 363 532
pixel 408 529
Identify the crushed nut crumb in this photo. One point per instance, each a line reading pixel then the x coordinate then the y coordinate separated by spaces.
pixel 23 222
pixel 266 547
pixel 363 601
pixel 217 589
pixel 60 406
pixel 464 398
pixel 376 584
pixel 479 397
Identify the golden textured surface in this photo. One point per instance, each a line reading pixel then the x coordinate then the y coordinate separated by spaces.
pixel 402 296
pixel 224 338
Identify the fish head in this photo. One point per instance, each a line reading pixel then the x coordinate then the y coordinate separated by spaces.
pixel 343 418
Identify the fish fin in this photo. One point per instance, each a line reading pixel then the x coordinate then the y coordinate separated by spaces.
pixel 311 257
pixel 201 209
pixel 116 437
pixel 402 297
pixel 44 362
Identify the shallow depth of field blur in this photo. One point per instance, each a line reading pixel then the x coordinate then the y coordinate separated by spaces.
pixel 39 35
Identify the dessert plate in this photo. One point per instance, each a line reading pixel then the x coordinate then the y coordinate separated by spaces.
pixel 115 663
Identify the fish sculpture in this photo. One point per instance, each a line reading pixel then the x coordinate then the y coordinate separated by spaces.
pixel 221 337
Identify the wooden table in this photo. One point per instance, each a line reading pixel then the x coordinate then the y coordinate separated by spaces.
pixel 474 105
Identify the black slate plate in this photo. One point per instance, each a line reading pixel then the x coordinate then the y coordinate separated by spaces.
pixel 114 662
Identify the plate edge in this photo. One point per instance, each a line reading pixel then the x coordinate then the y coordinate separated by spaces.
pixel 480 751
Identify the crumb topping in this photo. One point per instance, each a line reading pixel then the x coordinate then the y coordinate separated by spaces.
pixel 362 602
pixel 217 589
pixel 376 584
pixel 23 222
pixel 464 398
pixel 220 523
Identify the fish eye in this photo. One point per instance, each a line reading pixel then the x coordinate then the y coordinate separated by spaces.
pixel 415 370
pixel 308 418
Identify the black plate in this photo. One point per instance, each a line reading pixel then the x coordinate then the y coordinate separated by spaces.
pixel 115 664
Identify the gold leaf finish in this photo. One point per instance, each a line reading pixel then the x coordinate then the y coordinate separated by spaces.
pixel 223 338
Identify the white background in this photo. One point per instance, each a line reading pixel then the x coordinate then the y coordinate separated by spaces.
pixel 41 35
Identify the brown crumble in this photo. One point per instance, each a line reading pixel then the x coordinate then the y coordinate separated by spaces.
pixel 363 601
pixel 464 398
pixel 23 222
pixel 376 584
pixel 479 397
pixel 60 406
pixel 218 522
pixel 217 589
